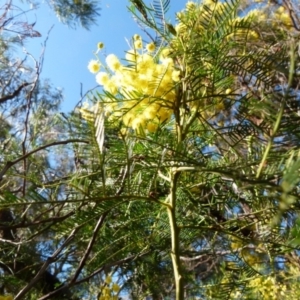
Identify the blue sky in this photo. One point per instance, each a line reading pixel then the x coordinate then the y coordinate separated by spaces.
pixel 68 51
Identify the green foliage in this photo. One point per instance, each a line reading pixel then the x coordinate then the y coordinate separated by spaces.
pixel 220 157
pixel 72 12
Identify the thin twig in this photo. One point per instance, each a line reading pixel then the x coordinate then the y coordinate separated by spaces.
pixel 50 260
pixel 89 247
pixel 9 164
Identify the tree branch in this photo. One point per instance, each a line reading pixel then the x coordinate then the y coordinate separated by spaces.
pixel 15 93
pixel 43 269
pixel 9 164
pixel 116 263
pixel 89 247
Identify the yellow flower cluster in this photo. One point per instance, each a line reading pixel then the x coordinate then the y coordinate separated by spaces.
pixel 283 16
pixel 268 287
pixel 110 290
pixel 94 66
pixel 145 84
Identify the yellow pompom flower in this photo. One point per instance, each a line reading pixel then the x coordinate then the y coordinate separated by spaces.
pixel 113 62
pixel 138 44
pixel 280 10
pixel 254 35
pixel 108 281
pixel 127 118
pixel 117 79
pixel 106 292
pixel 102 78
pixel 168 61
pixel 150 112
pixel 164 114
pixel 286 19
pixel 220 106
pixel 94 66
pixel 150 47
pixel 144 62
pixel 180 28
pixel 111 87
pixel 175 75
pixel 137 122
pixel 137 37
pixel 159 70
pixel 100 46
pixel 143 83
pixel 151 127
pixel 115 288
pixel 165 53
pixel 128 79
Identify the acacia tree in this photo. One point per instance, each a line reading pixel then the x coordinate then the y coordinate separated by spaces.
pixel 188 183
pixel 32 135
pixel 29 127
pixel 213 129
